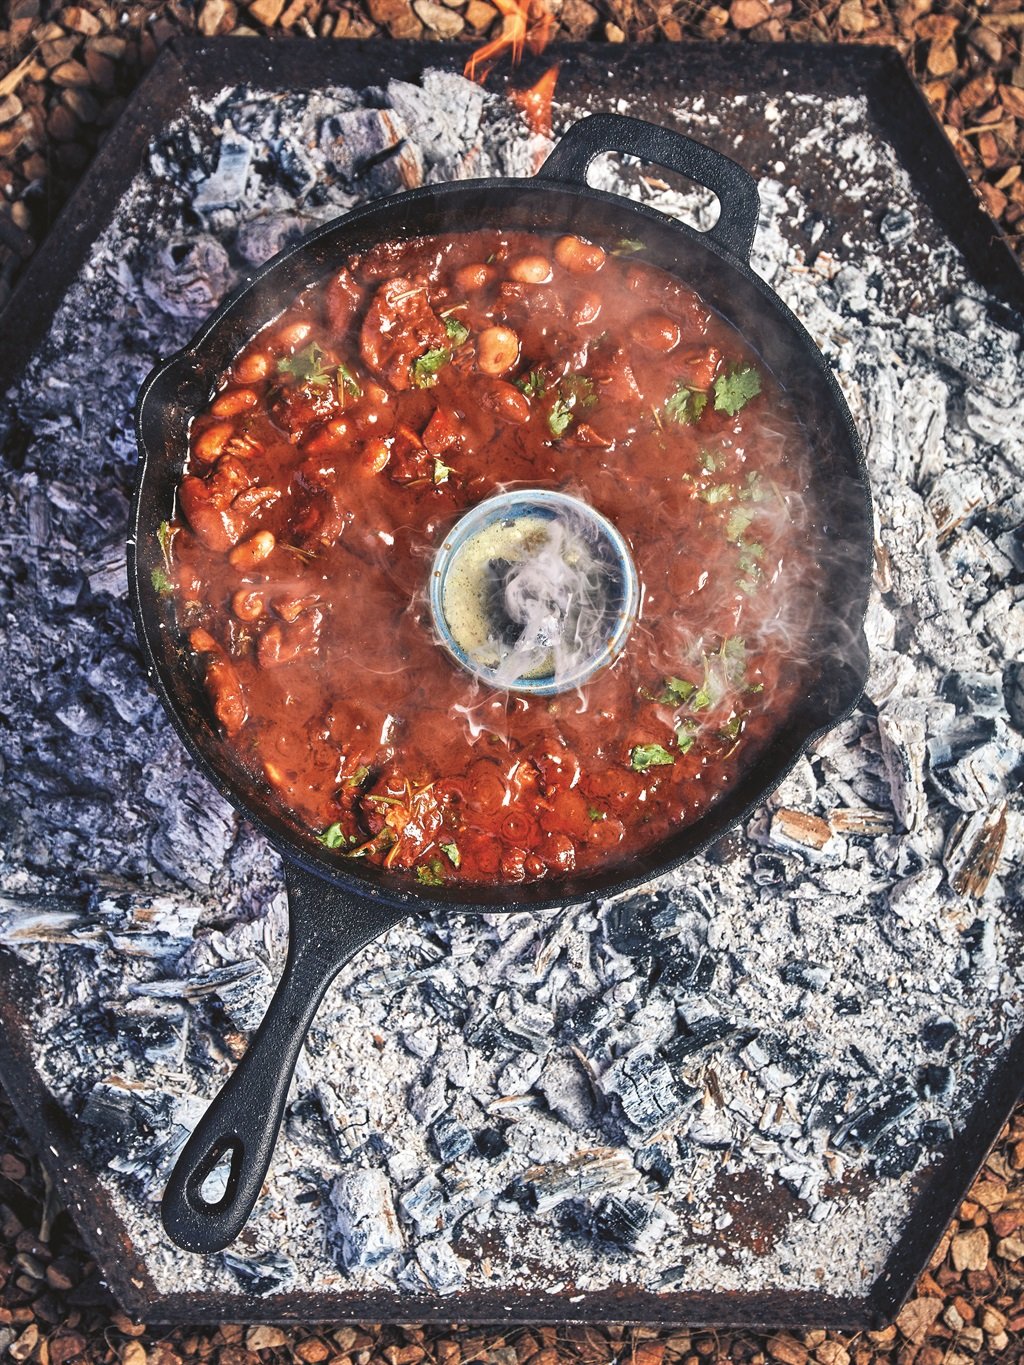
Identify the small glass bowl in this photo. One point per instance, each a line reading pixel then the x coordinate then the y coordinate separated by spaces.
pixel 457 586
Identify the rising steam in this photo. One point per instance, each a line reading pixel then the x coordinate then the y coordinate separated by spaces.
pixel 552 607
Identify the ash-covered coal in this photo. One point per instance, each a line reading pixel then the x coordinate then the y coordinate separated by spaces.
pixel 534 1100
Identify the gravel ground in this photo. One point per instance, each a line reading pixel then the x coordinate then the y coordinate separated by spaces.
pixel 64 77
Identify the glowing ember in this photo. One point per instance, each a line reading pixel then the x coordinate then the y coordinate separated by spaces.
pixel 536 102
pixel 526 22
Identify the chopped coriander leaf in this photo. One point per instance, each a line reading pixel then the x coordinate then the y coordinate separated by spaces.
pixel 739 519
pixel 347 382
pixel 451 852
pixel 559 417
pixel 753 488
pixel 755 687
pixel 732 726
pixel 306 366
pixel 595 814
pixel 703 697
pixel 534 383
pixel 628 246
pixel 430 875
pixel 686 733
pixel 578 391
pixel 685 405
pixel 645 756
pixel 677 691
pixel 750 552
pixel 358 777
pixel 161 582
pixel 425 368
pixel 458 331
pixel 735 388
pixel 719 492
pixel 333 837
pixel 711 461
pixel 441 470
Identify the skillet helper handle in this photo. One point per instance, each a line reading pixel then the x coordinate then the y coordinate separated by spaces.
pixel 736 188
pixel 241 1125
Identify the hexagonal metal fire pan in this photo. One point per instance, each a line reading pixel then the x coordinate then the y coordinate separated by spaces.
pixel 900 115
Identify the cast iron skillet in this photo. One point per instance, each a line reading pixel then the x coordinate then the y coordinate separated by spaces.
pixel 337 907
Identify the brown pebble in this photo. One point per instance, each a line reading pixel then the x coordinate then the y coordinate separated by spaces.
pixel 266 12
pixel 915 1318
pixel 445 22
pixel 969 1250
pixel 10 107
pixel 125 1326
pixel 57 51
pixel 81 104
pixel 13 1167
pixel 80 20
pixel 480 15
pixel 108 45
pixel 101 69
pixel 312 1350
pixel 71 73
pixel 264 1338
pixel 65 1346
pixel 23 1347
pixel 62 125
pixel 216 17
pixel 748 13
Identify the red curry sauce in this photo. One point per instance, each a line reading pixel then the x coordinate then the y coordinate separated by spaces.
pixel 347 438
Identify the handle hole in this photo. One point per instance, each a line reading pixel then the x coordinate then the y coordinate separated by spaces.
pixel 214 1182
pixel 672 193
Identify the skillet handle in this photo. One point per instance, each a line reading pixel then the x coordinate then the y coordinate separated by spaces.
pixel 736 188
pixel 241 1125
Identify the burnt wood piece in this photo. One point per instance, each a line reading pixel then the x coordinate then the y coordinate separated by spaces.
pixel 900 112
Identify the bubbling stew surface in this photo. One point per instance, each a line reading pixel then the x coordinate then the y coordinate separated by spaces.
pixel 346 440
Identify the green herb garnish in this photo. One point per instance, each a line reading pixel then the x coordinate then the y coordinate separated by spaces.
pixel 424 370
pixel 677 691
pixel 578 391
pixel 534 383
pixel 559 417
pixel 458 331
pixel 596 814
pixel 735 388
pixel 306 366
pixel 753 488
pixel 451 852
pixel 161 582
pixel 347 383
pixel 628 246
pixel 718 492
pixel 441 470
pixel 333 837
pixel 686 733
pixel 711 461
pixel 645 756
pixel 430 875
pixel 732 726
pixel 737 523
pixel 685 405
pixel 358 777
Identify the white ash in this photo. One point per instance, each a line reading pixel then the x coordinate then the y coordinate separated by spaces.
pixel 592 1097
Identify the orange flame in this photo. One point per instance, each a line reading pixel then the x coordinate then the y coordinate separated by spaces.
pixel 524 23
pixel 536 102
